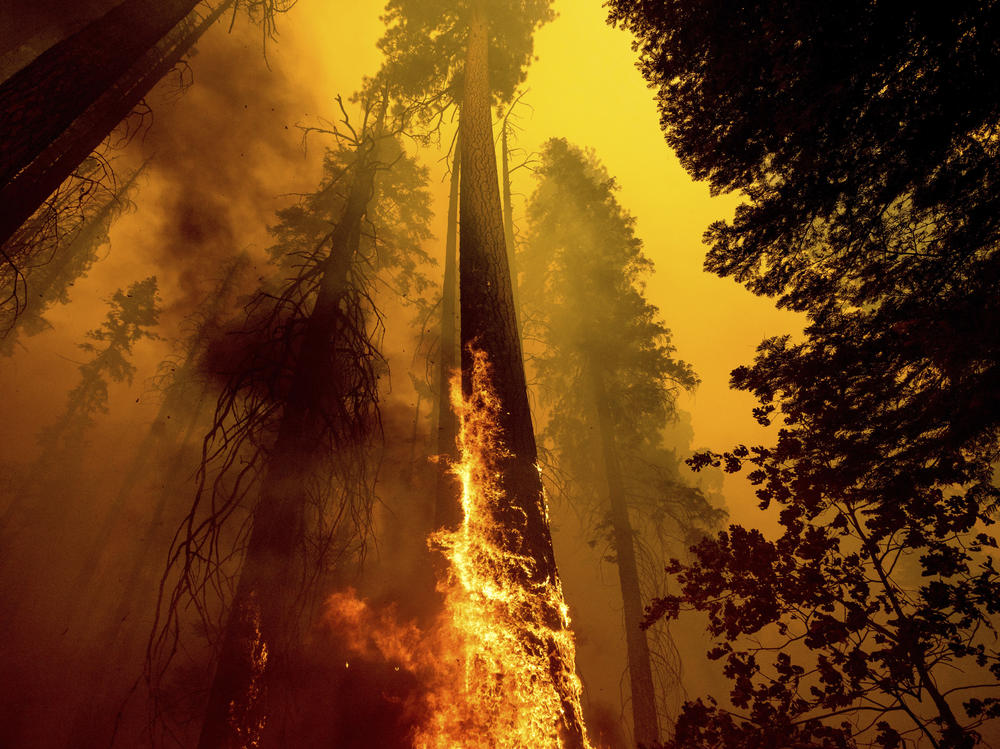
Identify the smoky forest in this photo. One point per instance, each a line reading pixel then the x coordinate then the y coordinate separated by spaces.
pixel 499 374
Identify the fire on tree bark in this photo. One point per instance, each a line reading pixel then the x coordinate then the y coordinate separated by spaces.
pixel 488 323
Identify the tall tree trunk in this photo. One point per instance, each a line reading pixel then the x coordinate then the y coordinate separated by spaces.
pixel 263 617
pixel 640 670
pixel 58 109
pixel 447 512
pixel 488 323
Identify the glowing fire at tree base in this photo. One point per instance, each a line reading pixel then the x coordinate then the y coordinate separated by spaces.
pixel 499 665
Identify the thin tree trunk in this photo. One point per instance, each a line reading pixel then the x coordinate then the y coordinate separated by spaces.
pixel 447 512
pixel 640 670
pixel 414 438
pixel 263 618
pixel 508 217
pixel 488 323
pixel 58 109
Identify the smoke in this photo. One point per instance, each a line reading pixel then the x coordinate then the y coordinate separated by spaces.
pixel 222 158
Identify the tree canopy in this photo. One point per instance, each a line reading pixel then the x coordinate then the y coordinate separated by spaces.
pixel 131 314
pixel 426 40
pixel 608 381
pixel 864 139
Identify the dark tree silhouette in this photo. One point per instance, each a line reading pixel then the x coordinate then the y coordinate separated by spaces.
pixel 295 424
pixel 132 313
pixel 865 141
pixel 606 370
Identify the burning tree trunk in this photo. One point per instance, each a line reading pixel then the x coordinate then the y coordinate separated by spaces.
pixel 489 325
pixel 60 107
pixel 640 670
pixel 447 512
pixel 263 616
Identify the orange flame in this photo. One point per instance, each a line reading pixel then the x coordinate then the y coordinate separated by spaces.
pixel 497 673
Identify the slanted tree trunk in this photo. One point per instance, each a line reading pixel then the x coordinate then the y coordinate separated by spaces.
pixel 55 111
pixel 51 276
pixel 488 323
pixel 264 613
pixel 447 512
pixel 640 670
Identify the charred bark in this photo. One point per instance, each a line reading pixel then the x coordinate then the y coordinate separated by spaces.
pixel 487 306
pixel 58 109
pixel 489 324
pixel 640 669
pixel 447 510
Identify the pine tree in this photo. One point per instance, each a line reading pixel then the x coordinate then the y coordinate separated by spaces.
pixel 607 371
pixel 474 54
pixel 295 423
pixel 132 313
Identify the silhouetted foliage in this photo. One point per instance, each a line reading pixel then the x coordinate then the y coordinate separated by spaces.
pixel 57 247
pixel 286 485
pixel 131 315
pixel 864 137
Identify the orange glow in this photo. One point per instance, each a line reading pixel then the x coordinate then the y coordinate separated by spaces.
pixel 492 666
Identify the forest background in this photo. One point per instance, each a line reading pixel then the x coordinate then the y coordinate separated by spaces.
pixel 227 153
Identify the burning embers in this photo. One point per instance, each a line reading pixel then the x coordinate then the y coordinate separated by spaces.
pixel 497 669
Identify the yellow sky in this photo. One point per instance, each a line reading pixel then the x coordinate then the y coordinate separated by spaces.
pixel 583 86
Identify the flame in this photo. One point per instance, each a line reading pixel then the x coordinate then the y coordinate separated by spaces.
pixel 498 666
pixel 245 716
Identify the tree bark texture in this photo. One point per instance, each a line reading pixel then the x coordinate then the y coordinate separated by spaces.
pixel 640 670
pixel 447 509
pixel 264 615
pixel 58 109
pixel 489 324
pixel 487 306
